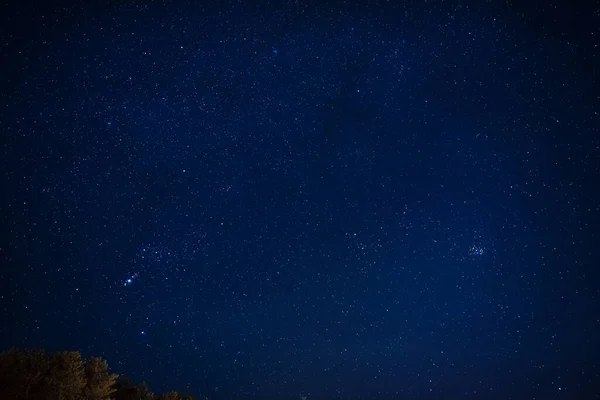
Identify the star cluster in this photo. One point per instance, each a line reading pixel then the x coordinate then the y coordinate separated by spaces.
pixel 306 199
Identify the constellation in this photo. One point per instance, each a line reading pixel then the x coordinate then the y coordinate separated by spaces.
pixel 475 245
pixel 480 246
pixel 129 280
pixel 476 250
pixel 158 260
pixel 154 253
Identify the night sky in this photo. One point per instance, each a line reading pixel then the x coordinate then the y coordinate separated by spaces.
pixel 306 198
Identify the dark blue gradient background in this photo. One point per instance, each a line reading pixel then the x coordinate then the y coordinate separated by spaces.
pixel 312 199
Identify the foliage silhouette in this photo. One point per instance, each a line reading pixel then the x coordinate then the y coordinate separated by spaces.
pixel 66 375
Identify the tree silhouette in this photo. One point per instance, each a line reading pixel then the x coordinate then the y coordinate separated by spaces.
pixel 22 373
pixel 99 382
pixel 37 375
pixel 66 376
pixel 125 390
pixel 172 395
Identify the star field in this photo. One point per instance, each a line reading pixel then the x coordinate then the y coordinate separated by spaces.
pixel 320 199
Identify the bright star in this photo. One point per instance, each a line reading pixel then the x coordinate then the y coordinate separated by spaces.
pixel 129 280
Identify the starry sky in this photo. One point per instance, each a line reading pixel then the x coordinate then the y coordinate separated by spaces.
pixel 320 199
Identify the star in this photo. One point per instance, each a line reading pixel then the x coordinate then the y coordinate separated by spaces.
pixel 401 194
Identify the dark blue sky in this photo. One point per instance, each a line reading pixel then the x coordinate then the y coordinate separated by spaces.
pixel 306 199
